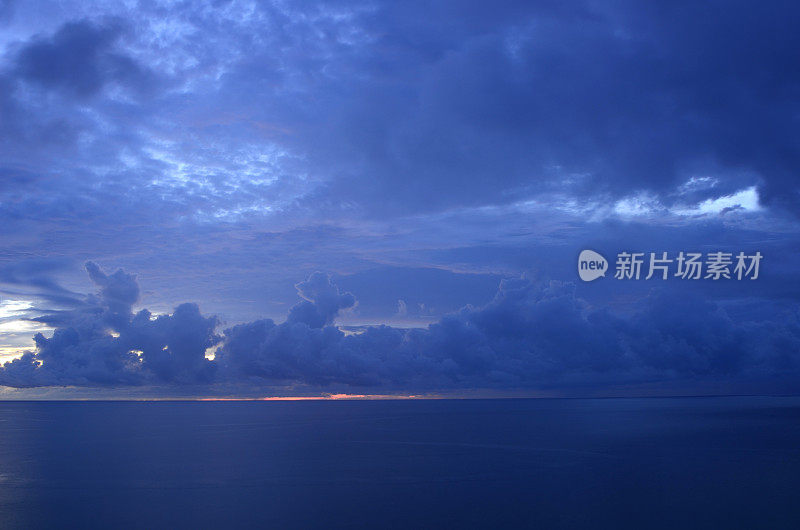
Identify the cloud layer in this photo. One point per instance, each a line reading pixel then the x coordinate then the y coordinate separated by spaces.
pixel 529 336
pixel 420 152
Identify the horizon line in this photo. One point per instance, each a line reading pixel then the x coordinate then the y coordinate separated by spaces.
pixel 374 397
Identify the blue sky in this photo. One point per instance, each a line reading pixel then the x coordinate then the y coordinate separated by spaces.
pixel 416 155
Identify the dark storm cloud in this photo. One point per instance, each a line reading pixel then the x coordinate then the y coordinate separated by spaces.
pixel 531 335
pixel 79 59
pixel 383 109
pixel 464 106
pixel 395 108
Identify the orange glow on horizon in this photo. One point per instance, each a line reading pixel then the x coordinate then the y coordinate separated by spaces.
pixel 323 397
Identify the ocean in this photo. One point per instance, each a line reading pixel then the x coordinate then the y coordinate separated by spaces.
pixel 722 462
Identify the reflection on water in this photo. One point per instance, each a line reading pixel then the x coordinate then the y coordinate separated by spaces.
pixel 604 463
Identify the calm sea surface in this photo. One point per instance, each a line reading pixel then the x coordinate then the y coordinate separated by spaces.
pixel 562 463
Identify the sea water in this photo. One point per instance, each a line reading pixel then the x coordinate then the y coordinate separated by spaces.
pixel 723 462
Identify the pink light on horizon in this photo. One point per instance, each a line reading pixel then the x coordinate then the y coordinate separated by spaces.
pixel 324 397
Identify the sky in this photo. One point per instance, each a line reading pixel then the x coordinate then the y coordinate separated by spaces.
pixel 280 198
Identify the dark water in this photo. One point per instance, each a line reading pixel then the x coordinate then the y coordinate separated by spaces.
pixel 613 463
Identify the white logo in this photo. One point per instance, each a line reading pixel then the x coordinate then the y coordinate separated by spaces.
pixel 663 265
pixel 591 265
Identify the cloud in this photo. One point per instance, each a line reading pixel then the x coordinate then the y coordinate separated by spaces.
pixel 293 136
pixel 460 108
pixel 79 59
pixel 531 335
pixel 102 342
pixel 402 308
pixel 118 293
pixel 6 10
pixel 322 301
pixel 400 151
pixel 34 277
pixel 495 105
pixel 173 346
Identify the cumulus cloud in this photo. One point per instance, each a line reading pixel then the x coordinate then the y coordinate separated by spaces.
pixel 530 335
pixel 118 293
pixel 322 301
pixel 102 342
